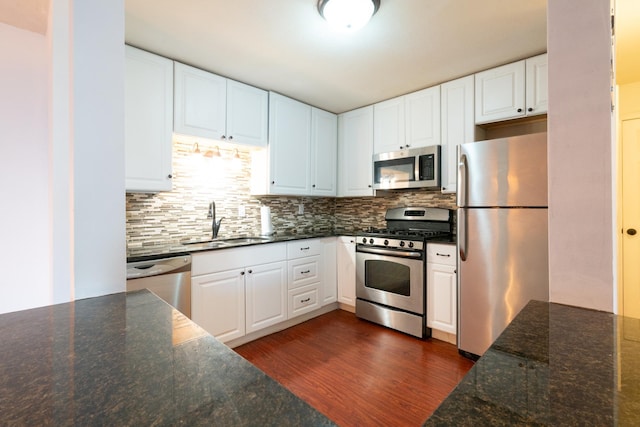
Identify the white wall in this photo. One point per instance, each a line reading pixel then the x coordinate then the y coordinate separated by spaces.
pixel 98 147
pixel 62 221
pixel 25 259
pixel 580 152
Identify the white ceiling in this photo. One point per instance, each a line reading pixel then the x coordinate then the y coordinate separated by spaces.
pixel 287 47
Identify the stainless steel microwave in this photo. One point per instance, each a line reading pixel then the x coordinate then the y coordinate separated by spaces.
pixel 410 168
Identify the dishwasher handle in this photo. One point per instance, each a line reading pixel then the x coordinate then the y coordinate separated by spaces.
pixel 157 267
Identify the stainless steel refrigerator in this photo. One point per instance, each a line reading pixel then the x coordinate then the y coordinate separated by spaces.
pixel 502 235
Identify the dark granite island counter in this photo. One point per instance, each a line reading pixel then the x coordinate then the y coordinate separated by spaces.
pixel 131 359
pixel 553 365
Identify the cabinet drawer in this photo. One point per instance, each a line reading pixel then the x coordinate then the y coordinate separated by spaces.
pixel 303 248
pixel 441 253
pixel 304 271
pixel 303 300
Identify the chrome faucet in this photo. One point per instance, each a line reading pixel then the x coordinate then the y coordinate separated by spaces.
pixel 215 225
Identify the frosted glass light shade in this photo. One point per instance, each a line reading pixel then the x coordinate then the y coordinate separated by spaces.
pixel 348 15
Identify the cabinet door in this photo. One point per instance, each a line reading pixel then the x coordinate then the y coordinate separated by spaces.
pixel 423 118
pixel 441 297
pixel 289 146
pixel 329 270
pixel 148 121
pixel 324 149
pixel 266 295
pixel 537 87
pixel 218 303
pixel 346 265
pixel 200 103
pixel 247 114
pixel 355 148
pixel 500 93
pixel 457 126
pixel 388 125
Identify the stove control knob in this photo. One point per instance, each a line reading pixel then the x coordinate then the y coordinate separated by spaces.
pixel 364 240
pixel 410 244
pixel 402 243
pixel 371 241
pixel 386 242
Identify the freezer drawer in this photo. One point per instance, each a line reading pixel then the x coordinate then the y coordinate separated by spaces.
pixel 505 264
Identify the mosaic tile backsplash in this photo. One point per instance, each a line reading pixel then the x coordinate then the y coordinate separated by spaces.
pixel 181 214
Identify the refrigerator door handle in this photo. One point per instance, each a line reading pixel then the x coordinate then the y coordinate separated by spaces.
pixel 462 233
pixel 462 179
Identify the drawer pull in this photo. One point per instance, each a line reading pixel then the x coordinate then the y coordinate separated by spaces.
pixel 305 272
pixel 439 254
pixel 305 300
pixel 305 249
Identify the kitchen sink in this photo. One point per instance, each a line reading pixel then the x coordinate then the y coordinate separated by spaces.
pixel 235 240
pixel 215 243
pixel 208 243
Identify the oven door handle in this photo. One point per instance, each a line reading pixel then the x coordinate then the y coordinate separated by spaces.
pixel 382 251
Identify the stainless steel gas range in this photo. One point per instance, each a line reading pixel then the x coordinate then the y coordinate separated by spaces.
pixel 391 268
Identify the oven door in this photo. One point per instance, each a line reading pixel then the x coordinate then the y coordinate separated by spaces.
pixel 392 278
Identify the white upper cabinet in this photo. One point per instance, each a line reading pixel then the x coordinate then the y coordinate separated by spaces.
pixel 289 146
pixel 247 114
pixel 537 85
pixel 388 125
pixel 148 121
pixel 458 126
pixel 200 102
pixel 302 152
pixel 511 91
pixel 409 121
pixel 422 118
pixel 324 152
pixel 355 153
pixel 214 107
pixel 500 93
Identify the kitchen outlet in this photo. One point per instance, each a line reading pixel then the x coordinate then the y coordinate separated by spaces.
pixel 300 209
pixel 242 212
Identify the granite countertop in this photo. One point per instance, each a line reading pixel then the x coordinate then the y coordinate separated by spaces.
pixel 131 359
pixel 162 250
pixel 553 365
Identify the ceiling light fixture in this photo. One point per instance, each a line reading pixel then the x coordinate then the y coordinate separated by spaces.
pixel 348 15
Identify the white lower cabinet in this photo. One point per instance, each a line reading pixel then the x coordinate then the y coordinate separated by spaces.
pixel 329 270
pixel 305 276
pixel 239 290
pixel 346 266
pixel 219 303
pixel 441 287
pixel 266 295
pixel 242 290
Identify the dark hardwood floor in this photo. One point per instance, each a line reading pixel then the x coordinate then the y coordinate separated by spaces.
pixel 358 373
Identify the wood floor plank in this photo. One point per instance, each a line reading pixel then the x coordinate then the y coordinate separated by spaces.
pixel 358 373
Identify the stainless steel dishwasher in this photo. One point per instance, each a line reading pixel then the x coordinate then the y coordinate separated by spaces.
pixel 168 278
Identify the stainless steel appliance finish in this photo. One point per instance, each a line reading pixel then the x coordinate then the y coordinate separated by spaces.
pixel 391 268
pixel 168 278
pixel 502 235
pixel 408 168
